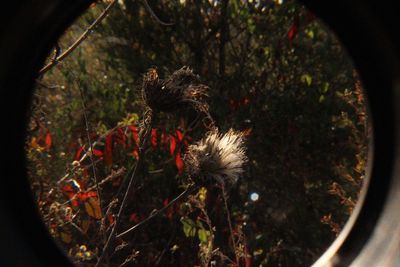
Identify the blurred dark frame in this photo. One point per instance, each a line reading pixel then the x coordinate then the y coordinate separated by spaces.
pixel 369 31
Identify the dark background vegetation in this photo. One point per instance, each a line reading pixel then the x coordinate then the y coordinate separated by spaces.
pixel 275 72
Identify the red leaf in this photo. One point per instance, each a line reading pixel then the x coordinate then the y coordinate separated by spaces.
pixel 108 150
pixel 294 28
pixel 247 257
pixel 79 153
pixel 179 162
pixel 74 202
pixel 48 140
pixel 292 31
pixel 170 211
pixel 172 144
pixel 116 182
pixel 135 153
pixel 165 202
pixel 135 133
pixel 179 135
pixel 163 138
pixel 121 137
pixel 85 195
pixel 110 218
pixel 248 261
pixel 67 189
pixel 97 153
pixel 134 218
pixel 154 138
pixel 244 101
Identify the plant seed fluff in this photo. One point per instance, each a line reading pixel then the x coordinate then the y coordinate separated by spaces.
pixel 217 156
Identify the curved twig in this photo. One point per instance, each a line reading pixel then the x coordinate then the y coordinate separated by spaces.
pixel 154 214
pixel 81 38
pixel 147 121
pixel 154 16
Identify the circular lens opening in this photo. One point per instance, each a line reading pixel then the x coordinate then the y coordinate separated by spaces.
pixel 136 86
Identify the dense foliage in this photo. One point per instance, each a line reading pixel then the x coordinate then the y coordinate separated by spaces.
pixel 275 73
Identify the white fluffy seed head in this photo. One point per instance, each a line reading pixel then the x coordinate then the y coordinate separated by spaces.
pixel 217 156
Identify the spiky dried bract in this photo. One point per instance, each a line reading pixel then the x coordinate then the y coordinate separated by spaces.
pixel 182 88
pixel 218 157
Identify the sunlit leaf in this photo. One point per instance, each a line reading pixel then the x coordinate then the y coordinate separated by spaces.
pixel 189 227
pixel 97 153
pixel 135 134
pixel 48 140
pixel 203 235
pixel 174 248
pixel 83 196
pixel 110 219
pixel 202 195
pixel 79 153
pixel 179 135
pixel 172 144
pixel 306 78
pixel 135 152
pixel 179 163
pixel 310 34
pixel 92 207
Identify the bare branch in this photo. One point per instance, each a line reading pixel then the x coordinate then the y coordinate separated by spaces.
pixel 90 144
pixel 81 38
pixel 228 216
pixel 157 212
pixel 154 16
pixel 147 124
pixel 113 175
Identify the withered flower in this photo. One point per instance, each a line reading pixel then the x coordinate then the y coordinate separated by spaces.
pixel 181 89
pixel 218 157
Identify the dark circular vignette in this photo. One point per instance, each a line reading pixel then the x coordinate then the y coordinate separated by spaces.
pixel 28 31
pixel 366 28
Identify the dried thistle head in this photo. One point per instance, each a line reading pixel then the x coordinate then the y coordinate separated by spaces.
pixel 218 157
pixel 181 89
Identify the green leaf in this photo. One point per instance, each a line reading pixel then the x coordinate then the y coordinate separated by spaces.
pixel 189 227
pixel 321 99
pixel 306 78
pixel 251 25
pixel 235 6
pixel 310 33
pixel 325 87
pixel 203 235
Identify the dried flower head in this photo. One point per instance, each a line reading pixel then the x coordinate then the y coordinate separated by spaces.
pixel 217 157
pixel 182 88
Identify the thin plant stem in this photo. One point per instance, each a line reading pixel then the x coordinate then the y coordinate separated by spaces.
pixel 78 41
pixel 153 15
pixel 148 122
pixel 154 214
pixel 96 181
pixel 228 216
